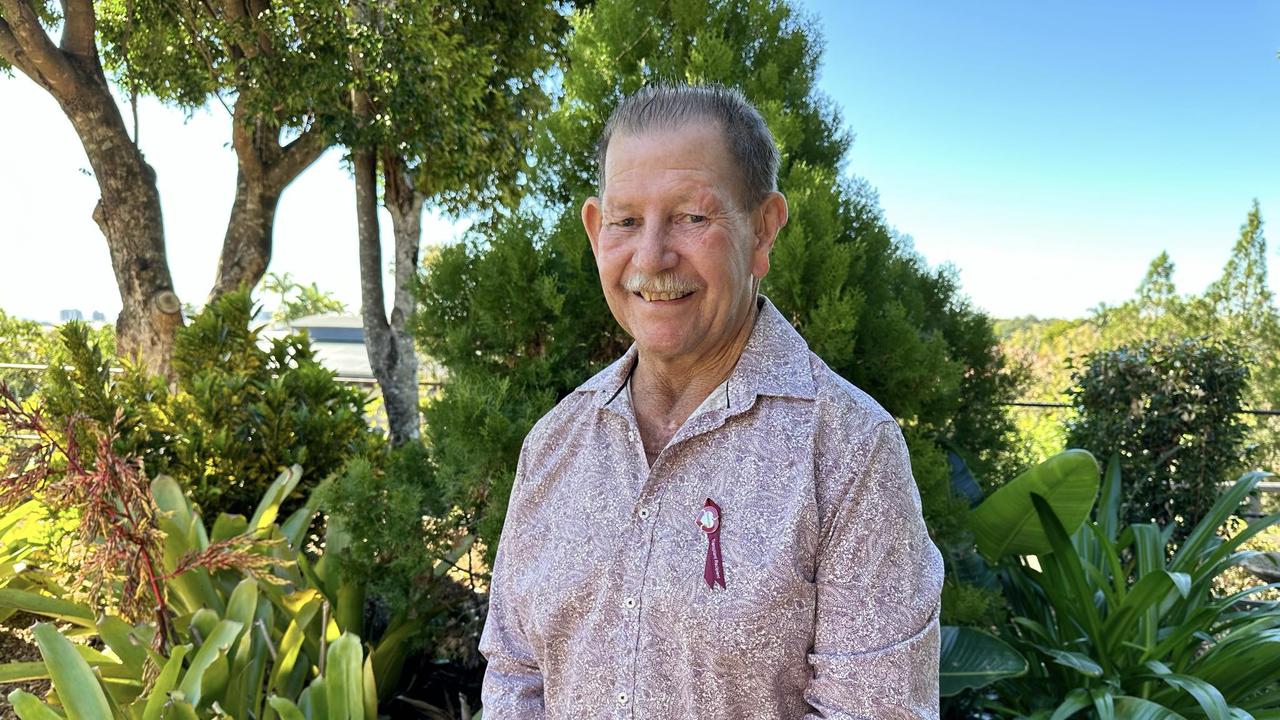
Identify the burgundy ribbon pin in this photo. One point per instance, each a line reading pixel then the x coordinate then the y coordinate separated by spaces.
pixel 709 521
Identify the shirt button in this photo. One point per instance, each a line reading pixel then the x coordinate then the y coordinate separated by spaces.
pixel 630 602
pixel 644 513
pixel 622 698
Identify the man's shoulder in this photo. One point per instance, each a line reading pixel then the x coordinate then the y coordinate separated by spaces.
pixel 577 406
pixel 559 420
pixel 841 406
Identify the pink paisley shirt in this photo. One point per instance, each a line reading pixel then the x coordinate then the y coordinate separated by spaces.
pixel 599 607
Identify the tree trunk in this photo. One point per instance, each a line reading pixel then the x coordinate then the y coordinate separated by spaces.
pixel 128 213
pixel 128 210
pixel 390 349
pixel 264 169
pixel 405 204
pixel 246 247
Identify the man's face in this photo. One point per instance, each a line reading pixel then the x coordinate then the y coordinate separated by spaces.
pixel 678 254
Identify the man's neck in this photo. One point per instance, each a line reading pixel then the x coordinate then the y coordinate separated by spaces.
pixel 665 393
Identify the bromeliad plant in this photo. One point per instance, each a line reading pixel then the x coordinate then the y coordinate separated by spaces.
pixel 231 620
pixel 252 632
pixel 1115 620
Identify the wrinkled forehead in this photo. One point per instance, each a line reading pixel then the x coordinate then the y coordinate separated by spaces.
pixel 693 157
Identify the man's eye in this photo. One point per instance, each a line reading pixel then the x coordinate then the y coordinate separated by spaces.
pixel 626 222
pixel 696 218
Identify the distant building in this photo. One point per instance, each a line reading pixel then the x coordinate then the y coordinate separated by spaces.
pixel 99 316
pixel 338 341
pixel 69 315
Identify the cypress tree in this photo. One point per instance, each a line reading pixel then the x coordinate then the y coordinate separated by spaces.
pixel 517 316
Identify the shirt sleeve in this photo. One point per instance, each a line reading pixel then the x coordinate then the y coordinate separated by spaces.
pixel 512 687
pixel 879 584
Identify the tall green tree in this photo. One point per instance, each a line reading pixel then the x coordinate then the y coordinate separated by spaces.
pixel 128 210
pixel 1238 307
pixel 275 66
pixel 441 108
pixel 517 315
pixel 1241 306
pixel 452 91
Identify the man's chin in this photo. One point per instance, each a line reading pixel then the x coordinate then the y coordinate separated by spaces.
pixel 654 346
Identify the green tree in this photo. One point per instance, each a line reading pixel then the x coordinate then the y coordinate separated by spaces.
pixel 1243 307
pixel 1170 411
pixel 295 300
pixel 452 132
pixel 128 211
pixel 274 66
pixel 22 342
pixel 517 315
pixel 458 92
pixel 1238 307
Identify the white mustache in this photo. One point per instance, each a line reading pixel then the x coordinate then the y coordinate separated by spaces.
pixel 665 283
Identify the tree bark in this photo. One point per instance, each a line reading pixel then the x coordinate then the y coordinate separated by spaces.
pixel 264 169
pixel 128 210
pixel 405 205
pixel 390 348
pixel 246 246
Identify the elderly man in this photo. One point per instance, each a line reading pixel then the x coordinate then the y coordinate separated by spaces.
pixel 716 525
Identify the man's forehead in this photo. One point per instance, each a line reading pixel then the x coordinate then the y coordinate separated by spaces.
pixel 687 162
pixel 625 194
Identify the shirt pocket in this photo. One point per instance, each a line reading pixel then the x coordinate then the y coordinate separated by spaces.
pixel 766 606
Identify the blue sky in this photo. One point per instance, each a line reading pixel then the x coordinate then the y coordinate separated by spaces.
pixel 1047 151
pixel 1050 150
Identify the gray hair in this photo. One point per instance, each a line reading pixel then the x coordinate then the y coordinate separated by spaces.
pixel 665 107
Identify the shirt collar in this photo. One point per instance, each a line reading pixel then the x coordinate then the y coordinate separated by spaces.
pixel 775 361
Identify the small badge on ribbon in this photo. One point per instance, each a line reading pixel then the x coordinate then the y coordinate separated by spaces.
pixel 709 521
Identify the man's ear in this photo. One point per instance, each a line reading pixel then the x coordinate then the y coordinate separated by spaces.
pixel 592 217
pixel 770 217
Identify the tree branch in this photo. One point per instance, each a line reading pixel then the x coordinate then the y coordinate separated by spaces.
pixel 243 131
pixel 78 28
pixel 297 156
pixel 10 50
pixel 256 9
pixel 236 14
pixel 50 67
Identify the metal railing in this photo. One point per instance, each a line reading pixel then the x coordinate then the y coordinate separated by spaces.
pixel 432 386
pixel 345 379
pixel 1268 486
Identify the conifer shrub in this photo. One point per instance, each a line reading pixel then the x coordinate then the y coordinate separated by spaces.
pixel 516 314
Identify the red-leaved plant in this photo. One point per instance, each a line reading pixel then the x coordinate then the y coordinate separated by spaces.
pixel 117 529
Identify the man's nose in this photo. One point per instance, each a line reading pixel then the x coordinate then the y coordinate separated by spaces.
pixel 655 253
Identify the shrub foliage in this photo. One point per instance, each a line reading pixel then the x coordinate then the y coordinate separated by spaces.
pixel 239 411
pixel 1171 413
pixel 517 316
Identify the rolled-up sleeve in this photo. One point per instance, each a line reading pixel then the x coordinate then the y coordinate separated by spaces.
pixel 512 688
pixel 879 582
